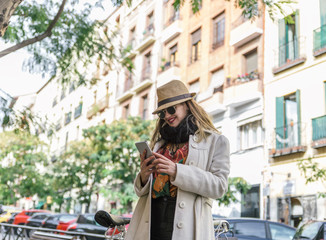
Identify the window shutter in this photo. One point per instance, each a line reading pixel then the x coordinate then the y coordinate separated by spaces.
pixel 297 96
pixel 279 130
pixel 195 36
pixel 281 41
pixel 322 6
pixel 297 34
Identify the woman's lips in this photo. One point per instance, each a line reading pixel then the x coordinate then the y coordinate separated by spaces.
pixel 171 120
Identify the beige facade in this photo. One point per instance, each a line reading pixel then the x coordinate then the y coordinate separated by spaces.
pixel 295 108
pixel 216 52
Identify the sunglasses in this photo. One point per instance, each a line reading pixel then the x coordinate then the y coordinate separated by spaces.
pixel 170 110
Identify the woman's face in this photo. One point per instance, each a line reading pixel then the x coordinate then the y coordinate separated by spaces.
pixel 181 111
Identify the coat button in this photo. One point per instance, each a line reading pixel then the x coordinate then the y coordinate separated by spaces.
pixel 180 225
pixel 191 163
pixel 182 204
pixel 195 138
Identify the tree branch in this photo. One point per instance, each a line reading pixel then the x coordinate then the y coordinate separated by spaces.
pixel 38 38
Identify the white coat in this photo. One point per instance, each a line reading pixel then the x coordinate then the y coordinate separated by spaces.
pixel 201 179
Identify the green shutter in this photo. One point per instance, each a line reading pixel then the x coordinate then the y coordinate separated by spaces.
pixel 279 130
pixel 322 5
pixel 297 34
pixel 281 42
pixel 297 97
pixel 325 95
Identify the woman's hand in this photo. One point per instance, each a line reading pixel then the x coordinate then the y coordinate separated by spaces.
pixel 165 165
pixel 145 168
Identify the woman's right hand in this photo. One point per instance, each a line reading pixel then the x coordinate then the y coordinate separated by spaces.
pixel 145 169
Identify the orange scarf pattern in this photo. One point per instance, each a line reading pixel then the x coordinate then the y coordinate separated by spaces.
pixel 161 182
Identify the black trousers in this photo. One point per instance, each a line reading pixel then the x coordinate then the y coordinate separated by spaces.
pixel 162 212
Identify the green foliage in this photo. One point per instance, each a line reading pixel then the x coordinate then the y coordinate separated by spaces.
pixel 21 153
pixel 74 44
pixel 107 156
pixel 236 184
pixel 311 170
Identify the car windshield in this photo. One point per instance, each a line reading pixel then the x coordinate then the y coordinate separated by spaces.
pixel 308 231
pixel 67 218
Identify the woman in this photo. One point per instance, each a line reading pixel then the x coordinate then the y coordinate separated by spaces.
pixel 190 169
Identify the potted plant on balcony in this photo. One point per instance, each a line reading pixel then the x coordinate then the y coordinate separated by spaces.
pixel 163 62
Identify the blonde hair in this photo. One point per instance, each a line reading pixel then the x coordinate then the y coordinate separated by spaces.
pixel 202 120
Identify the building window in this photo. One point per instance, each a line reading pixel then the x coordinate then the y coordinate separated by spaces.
pixel 288 39
pixel 147 66
pixel 218 31
pixel 288 123
pixel 131 41
pixel 249 135
pixel 78 110
pixel 251 62
pixel 63 94
pixel 55 101
pixel 144 107
pixel 250 203
pixel 195 45
pixel 68 118
pixel 173 55
pixel 150 25
pixel 126 111
pixel 194 87
pixel 72 87
pixel 217 80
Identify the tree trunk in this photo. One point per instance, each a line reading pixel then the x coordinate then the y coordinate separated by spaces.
pixel 7 8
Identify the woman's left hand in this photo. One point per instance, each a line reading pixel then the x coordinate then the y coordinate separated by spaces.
pixel 165 165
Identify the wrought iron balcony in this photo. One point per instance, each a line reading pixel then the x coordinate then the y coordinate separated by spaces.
pixel 289 139
pixel 320 40
pixel 290 54
pixel 319 132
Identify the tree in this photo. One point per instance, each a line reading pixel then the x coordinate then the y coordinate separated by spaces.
pixel 105 157
pixel 65 41
pixel 20 154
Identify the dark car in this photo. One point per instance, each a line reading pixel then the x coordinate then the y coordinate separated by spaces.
pixel 258 229
pixel 86 223
pixel 312 229
pixel 36 221
pixel 53 221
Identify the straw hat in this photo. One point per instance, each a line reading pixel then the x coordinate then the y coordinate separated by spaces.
pixel 172 93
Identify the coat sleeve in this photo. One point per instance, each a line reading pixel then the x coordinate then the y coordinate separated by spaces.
pixel 212 182
pixel 139 189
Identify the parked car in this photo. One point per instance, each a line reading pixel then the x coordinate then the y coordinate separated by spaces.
pixel 22 217
pixel 53 220
pixel 66 221
pixel 259 229
pixel 313 230
pixel 86 224
pixel 7 214
pixel 36 221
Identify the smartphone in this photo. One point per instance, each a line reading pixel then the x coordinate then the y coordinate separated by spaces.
pixel 141 146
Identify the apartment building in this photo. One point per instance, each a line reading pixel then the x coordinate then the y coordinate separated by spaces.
pixel 218 54
pixel 295 108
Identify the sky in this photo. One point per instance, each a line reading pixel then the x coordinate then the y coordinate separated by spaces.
pixel 15 81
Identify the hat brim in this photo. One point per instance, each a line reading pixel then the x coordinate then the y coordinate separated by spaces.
pixel 169 104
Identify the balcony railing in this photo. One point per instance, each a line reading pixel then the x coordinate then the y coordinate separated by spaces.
pixel 320 40
pixel 92 110
pixel 173 18
pixel 290 54
pixel 289 139
pixel 319 131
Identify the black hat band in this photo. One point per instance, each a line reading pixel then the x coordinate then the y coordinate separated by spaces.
pixel 172 99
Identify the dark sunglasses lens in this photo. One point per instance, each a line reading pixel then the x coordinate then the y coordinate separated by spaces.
pixel 171 110
pixel 161 114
